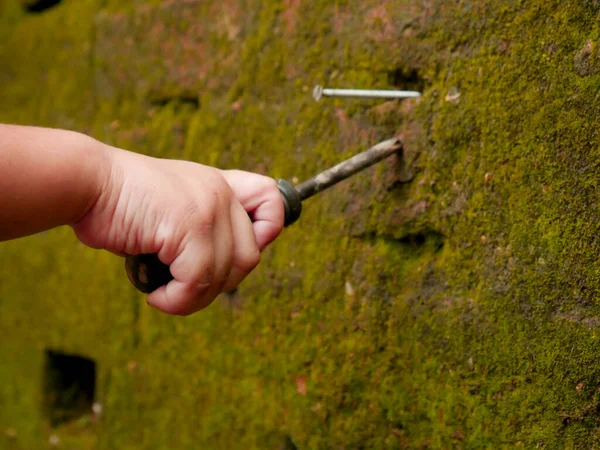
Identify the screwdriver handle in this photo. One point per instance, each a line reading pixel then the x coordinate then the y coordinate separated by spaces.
pixel 147 273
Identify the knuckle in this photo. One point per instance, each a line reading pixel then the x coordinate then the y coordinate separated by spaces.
pixel 215 193
pixel 218 194
pixel 198 269
pixel 191 209
pixel 203 274
pixel 270 185
pixel 249 260
pixel 199 216
pixel 219 184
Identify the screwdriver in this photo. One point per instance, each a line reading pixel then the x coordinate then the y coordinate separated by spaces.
pixel 147 272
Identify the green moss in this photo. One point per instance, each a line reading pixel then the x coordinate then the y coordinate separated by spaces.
pixel 449 302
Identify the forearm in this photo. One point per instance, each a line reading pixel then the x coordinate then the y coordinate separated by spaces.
pixel 48 178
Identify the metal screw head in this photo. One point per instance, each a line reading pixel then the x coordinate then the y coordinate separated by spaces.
pixel 318 92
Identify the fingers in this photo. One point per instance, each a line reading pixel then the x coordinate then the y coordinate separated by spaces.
pixel 246 252
pixel 215 257
pixel 210 242
pixel 193 271
pixel 260 197
pixel 268 221
pixel 179 298
pixel 224 241
pixel 202 267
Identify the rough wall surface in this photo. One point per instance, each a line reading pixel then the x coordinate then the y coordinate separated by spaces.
pixel 444 299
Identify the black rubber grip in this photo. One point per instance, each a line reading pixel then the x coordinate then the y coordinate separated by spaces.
pixel 147 273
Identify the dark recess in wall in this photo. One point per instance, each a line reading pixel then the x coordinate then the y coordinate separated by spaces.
pixel 37 6
pixel 182 99
pixel 406 79
pixel 288 444
pixel 69 384
pixel 420 239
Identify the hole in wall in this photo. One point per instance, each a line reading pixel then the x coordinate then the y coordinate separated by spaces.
pixel 37 6
pixel 430 238
pixel 69 385
pixel 406 79
pixel 424 239
pixel 287 444
pixel 182 100
pixel 416 239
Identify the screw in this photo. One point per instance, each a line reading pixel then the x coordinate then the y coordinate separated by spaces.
pixel 320 91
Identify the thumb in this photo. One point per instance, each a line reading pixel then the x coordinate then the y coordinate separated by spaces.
pixel 260 197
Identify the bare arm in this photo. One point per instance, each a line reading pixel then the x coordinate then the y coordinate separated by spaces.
pixel 48 178
pixel 195 217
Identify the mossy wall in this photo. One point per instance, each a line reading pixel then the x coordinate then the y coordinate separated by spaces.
pixel 448 298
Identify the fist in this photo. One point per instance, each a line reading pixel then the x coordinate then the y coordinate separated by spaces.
pixel 208 225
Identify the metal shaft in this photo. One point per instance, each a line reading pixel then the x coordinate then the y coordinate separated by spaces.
pixel 348 168
pixel 320 92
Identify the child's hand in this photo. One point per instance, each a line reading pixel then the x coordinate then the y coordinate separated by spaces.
pixel 196 218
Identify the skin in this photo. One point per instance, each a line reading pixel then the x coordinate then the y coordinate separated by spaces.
pixel 195 217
